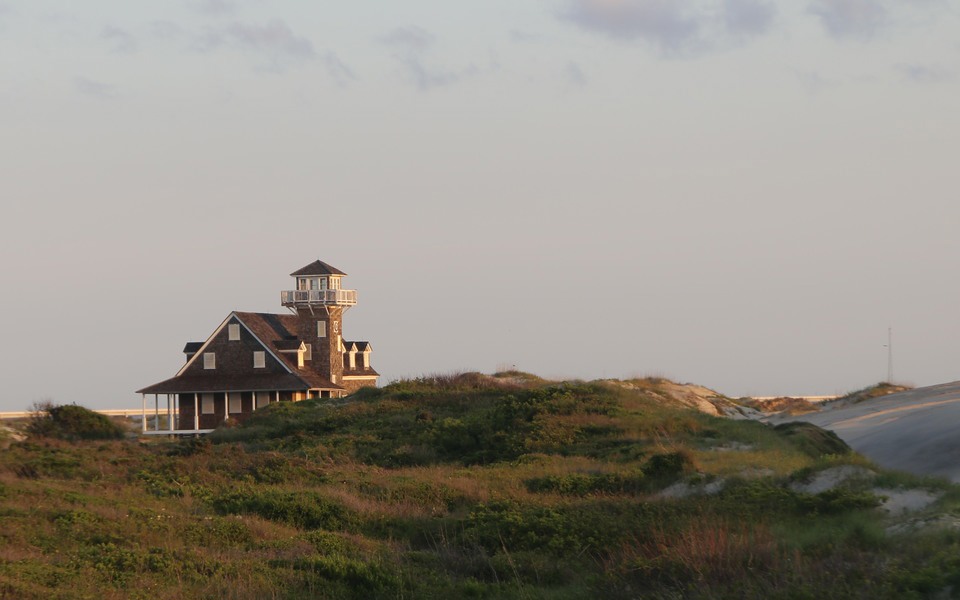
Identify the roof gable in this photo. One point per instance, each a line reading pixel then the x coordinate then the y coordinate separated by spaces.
pixel 317 267
pixel 198 351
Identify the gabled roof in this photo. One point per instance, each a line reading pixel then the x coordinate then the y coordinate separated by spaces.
pixel 275 333
pixel 317 267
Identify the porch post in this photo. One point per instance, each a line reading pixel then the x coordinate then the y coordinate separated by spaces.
pixel 170 423
pixel 226 405
pixel 143 421
pixel 196 411
pixel 278 395
pixel 156 412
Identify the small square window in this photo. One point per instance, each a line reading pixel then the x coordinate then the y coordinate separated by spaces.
pixel 259 359
pixel 209 360
pixel 233 332
pixel 321 329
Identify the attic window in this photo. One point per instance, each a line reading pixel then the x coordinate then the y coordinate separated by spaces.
pixel 321 329
pixel 233 332
pixel 209 360
pixel 259 359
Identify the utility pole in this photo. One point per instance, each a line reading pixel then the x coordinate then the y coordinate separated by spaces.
pixel 889 355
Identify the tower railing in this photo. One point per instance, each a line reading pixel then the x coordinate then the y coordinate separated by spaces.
pixel 322 297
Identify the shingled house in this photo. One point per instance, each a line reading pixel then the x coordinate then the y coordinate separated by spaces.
pixel 253 359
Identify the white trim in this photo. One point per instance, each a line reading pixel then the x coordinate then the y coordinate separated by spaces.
pixel 359 377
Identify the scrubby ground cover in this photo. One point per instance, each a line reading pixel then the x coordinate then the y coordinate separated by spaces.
pixel 468 486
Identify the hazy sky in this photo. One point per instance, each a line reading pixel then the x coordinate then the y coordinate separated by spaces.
pixel 740 193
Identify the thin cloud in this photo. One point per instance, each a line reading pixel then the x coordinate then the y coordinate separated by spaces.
pixel 275 40
pixel 748 17
pixel 411 39
pixel 215 8
pixel 811 82
pixel 410 45
pixel 94 89
pixel 338 71
pixel 120 40
pixel 165 30
pixel 522 37
pixel 675 28
pixel 575 74
pixel 669 24
pixel 924 74
pixel 849 19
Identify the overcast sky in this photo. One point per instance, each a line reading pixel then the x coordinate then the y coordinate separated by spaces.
pixel 743 194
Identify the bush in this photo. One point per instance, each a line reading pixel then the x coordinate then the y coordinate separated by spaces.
pixel 812 440
pixel 307 510
pixel 72 422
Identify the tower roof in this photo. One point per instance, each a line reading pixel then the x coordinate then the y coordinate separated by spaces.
pixel 317 267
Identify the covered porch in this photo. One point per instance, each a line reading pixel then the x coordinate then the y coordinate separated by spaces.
pixel 194 412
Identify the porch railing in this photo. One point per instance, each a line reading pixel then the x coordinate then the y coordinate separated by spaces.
pixel 335 297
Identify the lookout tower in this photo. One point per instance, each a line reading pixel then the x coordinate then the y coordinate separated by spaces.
pixel 319 302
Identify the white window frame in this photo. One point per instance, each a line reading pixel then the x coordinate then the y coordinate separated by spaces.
pixel 321 329
pixel 207 406
pixel 233 332
pixel 210 360
pixel 259 359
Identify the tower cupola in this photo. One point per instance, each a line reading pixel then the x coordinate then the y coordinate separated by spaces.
pixel 318 286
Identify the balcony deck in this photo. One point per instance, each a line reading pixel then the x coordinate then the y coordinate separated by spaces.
pixel 318 297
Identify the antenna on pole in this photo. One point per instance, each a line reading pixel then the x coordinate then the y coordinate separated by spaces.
pixel 889 346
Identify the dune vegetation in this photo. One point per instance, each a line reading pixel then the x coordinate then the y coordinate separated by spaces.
pixel 470 486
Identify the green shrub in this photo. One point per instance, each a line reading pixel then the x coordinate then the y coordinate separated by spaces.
pixel 579 484
pixel 668 467
pixel 812 440
pixel 307 510
pixel 72 422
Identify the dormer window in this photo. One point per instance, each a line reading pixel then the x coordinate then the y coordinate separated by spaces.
pixel 209 360
pixel 233 332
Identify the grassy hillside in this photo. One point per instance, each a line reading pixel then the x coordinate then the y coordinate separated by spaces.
pixel 468 486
